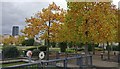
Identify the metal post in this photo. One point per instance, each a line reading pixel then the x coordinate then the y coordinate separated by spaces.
pixel 29 58
pixel 81 62
pixel 65 63
pixel 78 61
pixel 91 60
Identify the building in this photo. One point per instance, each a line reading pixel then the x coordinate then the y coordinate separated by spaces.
pixel 15 30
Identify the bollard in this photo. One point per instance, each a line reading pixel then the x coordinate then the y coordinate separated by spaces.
pixel 101 56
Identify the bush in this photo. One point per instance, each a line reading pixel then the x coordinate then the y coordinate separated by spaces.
pixel 70 44
pixel 35 53
pixel 89 47
pixel 43 48
pixel 10 52
pixel 31 49
pixel 21 52
pixel 96 45
pixel 29 42
pixel 53 44
pixel 63 46
pixel 116 48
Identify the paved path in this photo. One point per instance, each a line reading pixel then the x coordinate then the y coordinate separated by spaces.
pixel 100 63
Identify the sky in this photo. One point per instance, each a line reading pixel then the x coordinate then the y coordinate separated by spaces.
pixel 13 13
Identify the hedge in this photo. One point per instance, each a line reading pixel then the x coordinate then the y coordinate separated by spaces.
pixel 10 52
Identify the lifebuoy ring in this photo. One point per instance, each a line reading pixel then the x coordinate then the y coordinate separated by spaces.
pixel 29 53
pixel 41 55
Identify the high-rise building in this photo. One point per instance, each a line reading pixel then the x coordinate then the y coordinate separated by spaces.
pixel 15 31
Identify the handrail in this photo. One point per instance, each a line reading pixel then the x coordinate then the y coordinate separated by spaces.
pixel 49 61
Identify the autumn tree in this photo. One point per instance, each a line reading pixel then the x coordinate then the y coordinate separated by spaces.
pixel 8 41
pixel 49 19
pixel 46 22
pixel 91 21
pixel 13 40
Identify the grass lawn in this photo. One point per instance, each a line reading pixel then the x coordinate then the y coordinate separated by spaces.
pixel 25 47
pixel 0 47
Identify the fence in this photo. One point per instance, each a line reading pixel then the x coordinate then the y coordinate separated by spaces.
pixel 55 63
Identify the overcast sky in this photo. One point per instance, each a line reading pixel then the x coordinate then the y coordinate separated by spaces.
pixel 14 13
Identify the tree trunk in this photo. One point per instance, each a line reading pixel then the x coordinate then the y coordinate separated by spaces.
pixel 75 48
pixel 93 48
pixel 86 49
pixel 86 54
pixel 119 48
pixel 108 51
pixel 103 48
pixel 119 53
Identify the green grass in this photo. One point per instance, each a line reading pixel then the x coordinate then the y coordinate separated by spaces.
pixel 12 64
pixel 54 49
pixel 25 47
pixel 0 47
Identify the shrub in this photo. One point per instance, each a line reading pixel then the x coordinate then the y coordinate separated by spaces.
pixel 89 47
pixel 70 44
pixel 96 45
pixel 43 48
pixel 116 48
pixel 63 46
pixel 21 52
pixel 31 49
pixel 108 47
pixel 53 44
pixel 29 42
pixel 35 53
pixel 10 52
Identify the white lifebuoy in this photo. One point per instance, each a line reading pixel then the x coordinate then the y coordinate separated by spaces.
pixel 29 53
pixel 41 55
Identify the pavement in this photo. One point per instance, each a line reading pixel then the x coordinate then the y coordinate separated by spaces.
pixel 101 63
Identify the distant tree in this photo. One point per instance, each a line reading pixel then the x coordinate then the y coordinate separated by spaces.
pixel 29 42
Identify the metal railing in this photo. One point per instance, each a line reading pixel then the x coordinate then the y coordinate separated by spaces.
pixel 47 64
